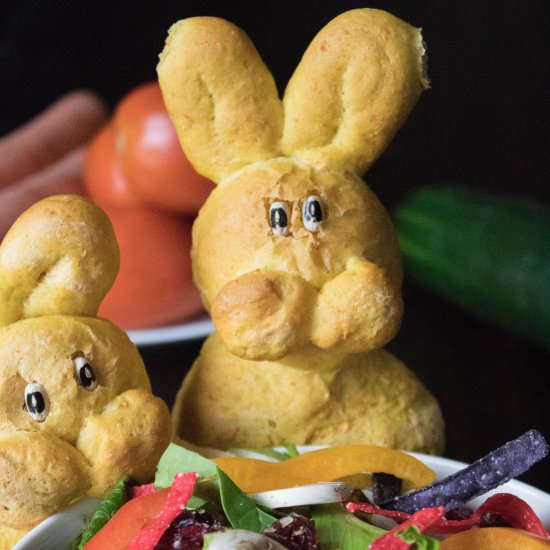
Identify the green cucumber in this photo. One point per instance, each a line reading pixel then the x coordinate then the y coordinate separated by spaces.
pixel 488 254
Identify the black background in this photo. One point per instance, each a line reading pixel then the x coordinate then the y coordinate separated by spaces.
pixel 484 123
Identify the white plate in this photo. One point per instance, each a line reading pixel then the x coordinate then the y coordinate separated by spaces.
pixel 191 330
pixel 59 530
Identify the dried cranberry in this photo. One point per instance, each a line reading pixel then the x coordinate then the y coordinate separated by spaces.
pixel 459 513
pixel 492 519
pixel 295 532
pixel 187 530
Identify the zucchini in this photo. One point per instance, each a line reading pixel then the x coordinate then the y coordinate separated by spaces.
pixel 488 254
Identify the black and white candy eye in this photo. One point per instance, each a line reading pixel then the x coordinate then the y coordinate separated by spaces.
pixel 36 401
pixel 84 373
pixel 279 218
pixel 312 213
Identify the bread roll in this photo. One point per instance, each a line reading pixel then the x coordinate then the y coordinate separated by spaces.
pixel 76 409
pixel 295 257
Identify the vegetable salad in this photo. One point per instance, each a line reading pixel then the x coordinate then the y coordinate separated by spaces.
pixel 355 497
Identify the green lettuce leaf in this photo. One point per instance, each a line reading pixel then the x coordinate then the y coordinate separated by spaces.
pixel 176 460
pixel 337 528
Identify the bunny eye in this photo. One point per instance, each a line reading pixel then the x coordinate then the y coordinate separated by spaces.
pixel 36 401
pixel 279 215
pixel 312 213
pixel 84 373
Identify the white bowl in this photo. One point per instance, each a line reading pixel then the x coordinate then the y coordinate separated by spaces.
pixel 59 530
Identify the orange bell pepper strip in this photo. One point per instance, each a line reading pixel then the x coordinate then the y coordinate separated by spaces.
pixel 254 476
pixel 494 538
pixel 128 521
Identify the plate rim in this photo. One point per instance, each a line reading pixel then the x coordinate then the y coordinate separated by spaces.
pixel 169 334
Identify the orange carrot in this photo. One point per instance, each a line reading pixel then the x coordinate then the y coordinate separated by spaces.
pixel 63 176
pixel 68 123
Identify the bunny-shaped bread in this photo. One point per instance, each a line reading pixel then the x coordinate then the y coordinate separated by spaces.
pixel 295 257
pixel 76 409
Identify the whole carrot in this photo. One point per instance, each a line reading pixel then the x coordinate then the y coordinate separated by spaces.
pixel 68 123
pixel 62 177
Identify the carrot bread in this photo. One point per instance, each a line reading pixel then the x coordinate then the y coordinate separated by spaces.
pixel 76 409
pixel 295 257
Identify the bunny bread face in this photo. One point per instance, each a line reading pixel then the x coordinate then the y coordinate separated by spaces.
pixel 76 409
pixel 295 257
pixel 292 248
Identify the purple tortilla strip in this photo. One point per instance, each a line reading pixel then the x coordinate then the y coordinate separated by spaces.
pixel 509 461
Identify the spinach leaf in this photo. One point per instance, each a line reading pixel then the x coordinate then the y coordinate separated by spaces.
pixel 105 511
pixel 176 460
pixel 241 511
pixel 337 528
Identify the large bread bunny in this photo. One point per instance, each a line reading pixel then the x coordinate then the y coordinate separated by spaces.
pixel 76 409
pixel 295 257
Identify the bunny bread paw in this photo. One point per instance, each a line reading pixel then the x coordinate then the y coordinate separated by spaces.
pixel 39 475
pixel 263 314
pixel 359 310
pixel 76 409
pixel 122 439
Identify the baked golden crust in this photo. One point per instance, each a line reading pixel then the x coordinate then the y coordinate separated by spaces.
pixel 369 398
pixel 45 473
pixel 127 438
pixel 59 257
pixel 353 89
pixel 219 94
pixel 9 536
pixel 97 425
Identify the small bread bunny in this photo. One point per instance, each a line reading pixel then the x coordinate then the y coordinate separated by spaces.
pixel 295 257
pixel 76 409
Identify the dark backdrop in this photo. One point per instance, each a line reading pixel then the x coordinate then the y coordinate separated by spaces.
pixel 483 123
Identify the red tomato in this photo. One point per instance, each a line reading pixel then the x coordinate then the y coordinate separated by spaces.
pixel 129 520
pixel 105 183
pixel 151 156
pixel 154 286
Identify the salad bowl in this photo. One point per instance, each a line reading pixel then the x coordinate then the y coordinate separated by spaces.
pixel 59 530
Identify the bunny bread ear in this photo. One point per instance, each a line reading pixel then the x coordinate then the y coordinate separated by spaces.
pixel 353 89
pixel 59 257
pixel 220 96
